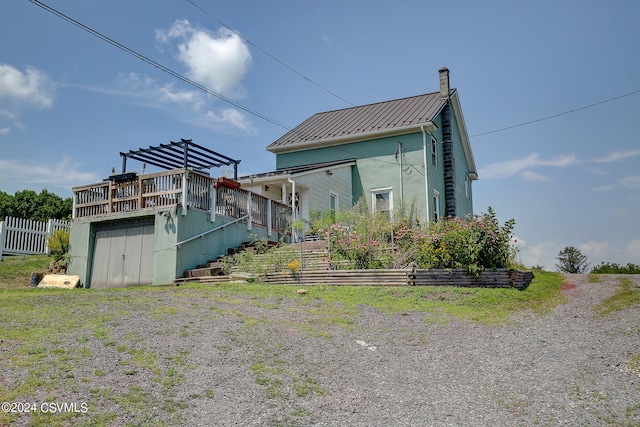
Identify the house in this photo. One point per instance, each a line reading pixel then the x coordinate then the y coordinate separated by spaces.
pixel 146 229
pixel 414 150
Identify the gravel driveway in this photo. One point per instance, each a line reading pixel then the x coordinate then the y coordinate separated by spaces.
pixel 223 363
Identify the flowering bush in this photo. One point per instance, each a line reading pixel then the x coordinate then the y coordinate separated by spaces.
pixel 476 242
pixel 373 241
pixel 294 266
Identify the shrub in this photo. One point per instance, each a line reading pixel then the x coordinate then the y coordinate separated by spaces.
pixel 375 241
pixel 613 268
pixel 58 243
pixel 476 242
pixel 571 260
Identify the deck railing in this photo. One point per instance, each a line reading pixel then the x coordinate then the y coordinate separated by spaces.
pixel 165 189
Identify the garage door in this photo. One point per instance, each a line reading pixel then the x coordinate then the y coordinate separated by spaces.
pixel 123 254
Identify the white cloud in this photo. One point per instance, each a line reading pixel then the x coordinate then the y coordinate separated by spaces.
pixel 543 254
pixel 60 174
pixel 633 249
pixel 228 117
pixel 29 88
pixel 595 249
pixel 534 177
pixel 5 131
pixel 631 182
pixel 522 167
pixel 219 61
pixel 617 156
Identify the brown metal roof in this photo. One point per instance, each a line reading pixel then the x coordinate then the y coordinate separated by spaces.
pixel 362 120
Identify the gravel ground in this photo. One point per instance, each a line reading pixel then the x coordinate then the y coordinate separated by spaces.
pixel 222 363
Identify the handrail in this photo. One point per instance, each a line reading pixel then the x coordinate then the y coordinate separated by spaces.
pixel 197 236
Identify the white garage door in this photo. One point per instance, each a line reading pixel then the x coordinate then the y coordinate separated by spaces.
pixel 123 255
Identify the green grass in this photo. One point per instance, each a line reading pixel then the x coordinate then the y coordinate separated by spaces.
pixel 478 304
pixel 15 271
pixel 626 296
pixel 34 325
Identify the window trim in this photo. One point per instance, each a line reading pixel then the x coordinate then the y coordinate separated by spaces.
pixel 467 185
pixel 382 190
pixel 334 196
pixel 434 152
pixel 436 205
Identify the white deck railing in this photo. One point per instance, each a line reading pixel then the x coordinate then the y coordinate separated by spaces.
pixel 165 189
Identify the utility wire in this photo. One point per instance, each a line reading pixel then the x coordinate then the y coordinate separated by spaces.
pixel 256 113
pixel 557 115
pixel 159 66
pixel 269 54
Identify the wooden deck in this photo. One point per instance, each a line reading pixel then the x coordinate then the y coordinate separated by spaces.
pixel 178 187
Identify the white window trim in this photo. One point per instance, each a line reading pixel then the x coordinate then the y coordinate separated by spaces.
pixel 434 152
pixel 380 191
pixel 436 207
pixel 337 197
pixel 467 185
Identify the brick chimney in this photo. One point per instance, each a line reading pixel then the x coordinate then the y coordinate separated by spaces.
pixel 444 81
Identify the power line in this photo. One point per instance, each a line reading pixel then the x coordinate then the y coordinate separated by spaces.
pixel 158 65
pixel 269 54
pixel 557 115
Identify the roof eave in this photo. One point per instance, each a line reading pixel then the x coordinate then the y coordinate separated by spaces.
pixel 346 139
pixel 464 136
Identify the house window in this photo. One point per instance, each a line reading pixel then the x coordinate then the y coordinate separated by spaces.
pixel 436 205
pixel 333 205
pixel 434 152
pixel 467 186
pixel 382 200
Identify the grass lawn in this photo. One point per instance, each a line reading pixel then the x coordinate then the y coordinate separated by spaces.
pixel 35 325
pixel 15 271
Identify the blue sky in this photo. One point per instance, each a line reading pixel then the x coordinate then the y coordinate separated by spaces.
pixel 70 102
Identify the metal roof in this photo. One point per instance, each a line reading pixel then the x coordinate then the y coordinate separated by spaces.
pixel 183 154
pixel 350 123
pixel 298 169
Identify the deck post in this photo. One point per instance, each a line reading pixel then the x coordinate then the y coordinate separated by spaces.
pixel 140 192
pixel 213 192
pixel 269 231
pixel 183 198
pixel 249 209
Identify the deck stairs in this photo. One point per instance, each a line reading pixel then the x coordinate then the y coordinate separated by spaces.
pixel 314 257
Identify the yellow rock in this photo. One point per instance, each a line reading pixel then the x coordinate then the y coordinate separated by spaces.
pixel 301 291
pixel 59 281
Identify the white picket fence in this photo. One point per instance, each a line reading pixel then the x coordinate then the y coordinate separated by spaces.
pixel 25 236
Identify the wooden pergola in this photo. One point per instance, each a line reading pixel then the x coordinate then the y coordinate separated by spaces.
pixel 184 154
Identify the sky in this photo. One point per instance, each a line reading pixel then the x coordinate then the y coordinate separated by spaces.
pixel 550 92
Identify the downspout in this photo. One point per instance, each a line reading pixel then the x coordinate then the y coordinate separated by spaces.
pixel 293 206
pixel 401 177
pixel 426 174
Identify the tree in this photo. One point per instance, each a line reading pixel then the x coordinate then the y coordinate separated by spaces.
pixel 571 260
pixel 36 206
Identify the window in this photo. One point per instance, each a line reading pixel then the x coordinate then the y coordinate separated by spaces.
pixel 434 152
pixel 382 200
pixel 333 204
pixel 467 186
pixel 436 205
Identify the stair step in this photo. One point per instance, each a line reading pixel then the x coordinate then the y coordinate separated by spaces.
pixel 200 272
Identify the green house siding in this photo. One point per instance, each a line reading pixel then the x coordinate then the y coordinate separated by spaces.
pixel 378 167
pixel 170 227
